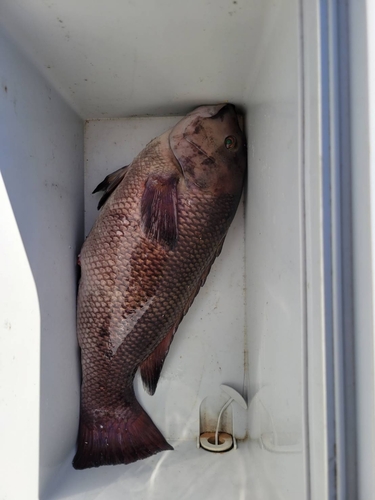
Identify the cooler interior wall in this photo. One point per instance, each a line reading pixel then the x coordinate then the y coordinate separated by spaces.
pixel 246 327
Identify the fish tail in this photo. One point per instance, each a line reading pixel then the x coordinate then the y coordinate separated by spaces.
pixel 117 437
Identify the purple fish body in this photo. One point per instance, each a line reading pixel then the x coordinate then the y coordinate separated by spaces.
pixel 162 224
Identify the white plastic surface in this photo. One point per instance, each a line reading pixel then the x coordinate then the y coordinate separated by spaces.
pixel 19 364
pixel 234 395
pixel 362 108
pixel 41 231
pixel 275 280
pixel 131 57
pixel 197 474
pixel 224 444
pixel 108 62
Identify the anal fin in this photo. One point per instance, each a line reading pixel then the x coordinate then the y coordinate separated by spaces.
pixel 151 368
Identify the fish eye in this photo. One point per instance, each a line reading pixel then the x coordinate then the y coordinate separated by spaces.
pixel 230 142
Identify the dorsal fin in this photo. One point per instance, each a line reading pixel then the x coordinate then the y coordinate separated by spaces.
pixel 109 184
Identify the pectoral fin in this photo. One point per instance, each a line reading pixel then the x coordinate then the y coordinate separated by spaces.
pixel 159 209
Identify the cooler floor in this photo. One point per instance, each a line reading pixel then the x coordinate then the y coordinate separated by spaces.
pixel 188 473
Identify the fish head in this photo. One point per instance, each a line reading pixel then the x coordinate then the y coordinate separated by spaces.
pixel 210 148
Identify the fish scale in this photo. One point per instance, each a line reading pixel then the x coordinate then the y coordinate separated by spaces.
pixel 135 288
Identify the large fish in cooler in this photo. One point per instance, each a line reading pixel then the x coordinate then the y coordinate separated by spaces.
pixel 162 224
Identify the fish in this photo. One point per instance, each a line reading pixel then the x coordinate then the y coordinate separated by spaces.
pixel 162 223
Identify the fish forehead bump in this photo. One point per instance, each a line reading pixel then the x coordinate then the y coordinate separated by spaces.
pixel 207 111
pixel 198 143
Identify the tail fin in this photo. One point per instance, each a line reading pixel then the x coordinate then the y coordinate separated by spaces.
pixel 118 439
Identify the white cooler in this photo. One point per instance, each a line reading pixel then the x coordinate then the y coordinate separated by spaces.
pixel 286 315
